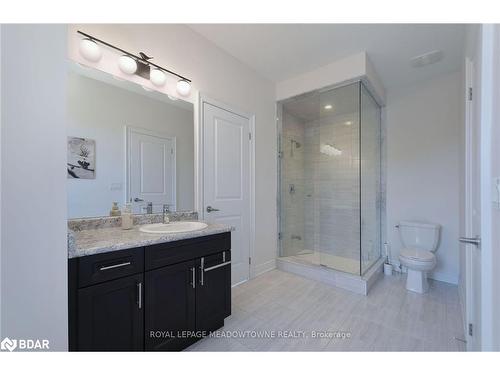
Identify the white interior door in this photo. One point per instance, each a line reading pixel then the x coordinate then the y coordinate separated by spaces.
pixel 472 216
pixel 151 170
pixel 226 181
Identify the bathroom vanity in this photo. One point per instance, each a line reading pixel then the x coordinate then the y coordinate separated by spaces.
pixel 163 295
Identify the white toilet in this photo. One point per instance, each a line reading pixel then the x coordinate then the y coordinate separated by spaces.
pixel 420 241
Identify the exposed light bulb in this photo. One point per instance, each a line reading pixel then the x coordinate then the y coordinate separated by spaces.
pixel 90 50
pixel 127 64
pixel 157 77
pixel 183 87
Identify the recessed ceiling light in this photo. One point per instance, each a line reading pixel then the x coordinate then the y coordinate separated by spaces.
pixel 328 106
pixel 426 59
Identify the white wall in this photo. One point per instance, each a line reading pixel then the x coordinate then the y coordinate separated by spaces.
pixel 348 69
pixel 494 273
pixel 1 336
pixel 224 78
pixel 34 263
pixel 423 124
pixel 100 111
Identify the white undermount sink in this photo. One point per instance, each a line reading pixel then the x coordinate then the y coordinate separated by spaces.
pixel 175 227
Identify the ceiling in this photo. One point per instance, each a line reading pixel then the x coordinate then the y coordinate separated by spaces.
pixel 282 51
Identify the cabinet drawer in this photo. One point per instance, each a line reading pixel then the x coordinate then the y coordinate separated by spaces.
pixel 98 268
pixel 161 255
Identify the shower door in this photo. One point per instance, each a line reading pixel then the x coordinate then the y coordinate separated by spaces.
pixel 336 179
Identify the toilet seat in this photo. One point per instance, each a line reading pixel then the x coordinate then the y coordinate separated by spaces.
pixel 417 254
pixel 417 259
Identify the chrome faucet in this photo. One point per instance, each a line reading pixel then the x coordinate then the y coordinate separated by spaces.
pixel 166 211
pixel 149 208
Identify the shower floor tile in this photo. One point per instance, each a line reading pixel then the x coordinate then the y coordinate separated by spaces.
pixel 279 311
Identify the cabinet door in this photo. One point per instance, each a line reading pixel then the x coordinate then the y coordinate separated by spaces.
pixel 110 315
pixel 170 307
pixel 213 293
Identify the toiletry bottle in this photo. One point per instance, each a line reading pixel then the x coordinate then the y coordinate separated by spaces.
pixel 127 218
pixel 115 210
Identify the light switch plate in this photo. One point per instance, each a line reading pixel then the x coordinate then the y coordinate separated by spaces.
pixel 116 186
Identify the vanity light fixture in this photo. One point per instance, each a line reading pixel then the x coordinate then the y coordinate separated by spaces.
pixel 157 77
pixel 90 50
pixel 183 87
pixel 133 64
pixel 127 65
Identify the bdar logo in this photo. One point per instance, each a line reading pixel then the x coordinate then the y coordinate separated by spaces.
pixel 8 344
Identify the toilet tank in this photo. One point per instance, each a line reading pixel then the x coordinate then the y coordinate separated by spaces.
pixel 419 235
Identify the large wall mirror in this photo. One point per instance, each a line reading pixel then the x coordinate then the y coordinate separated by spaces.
pixel 126 144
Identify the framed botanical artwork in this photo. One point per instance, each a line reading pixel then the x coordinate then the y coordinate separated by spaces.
pixel 81 158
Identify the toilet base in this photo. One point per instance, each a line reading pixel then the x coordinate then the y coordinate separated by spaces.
pixel 416 281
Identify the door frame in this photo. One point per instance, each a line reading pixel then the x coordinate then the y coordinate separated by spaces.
pixel 128 135
pixel 469 313
pixel 199 172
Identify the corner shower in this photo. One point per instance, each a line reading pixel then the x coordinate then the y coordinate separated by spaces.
pixel 329 194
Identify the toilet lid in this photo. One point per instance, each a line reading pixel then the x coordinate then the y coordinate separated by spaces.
pixel 417 254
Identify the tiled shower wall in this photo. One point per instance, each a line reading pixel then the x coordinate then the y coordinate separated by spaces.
pixel 324 209
pixel 333 181
pixel 292 186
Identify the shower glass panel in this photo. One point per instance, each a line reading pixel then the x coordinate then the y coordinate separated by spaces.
pixel 336 179
pixel 329 177
pixel 370 180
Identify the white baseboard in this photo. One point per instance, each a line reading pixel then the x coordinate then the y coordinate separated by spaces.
pixel 259 269
pixel 444 277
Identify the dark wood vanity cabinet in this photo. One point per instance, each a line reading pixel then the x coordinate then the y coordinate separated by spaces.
pixel 110 315
pixel 213 293
pixel 160 297
pixel 170 307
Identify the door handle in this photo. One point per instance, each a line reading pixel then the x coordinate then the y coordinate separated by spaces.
pixel 202 271
pixel 114 266
pixel 217 266
pixel 139 292
pixel 471 240
pixel 193 275
pixel 138 200
pixel 211 209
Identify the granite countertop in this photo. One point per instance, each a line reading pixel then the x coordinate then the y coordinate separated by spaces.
pixel 97 241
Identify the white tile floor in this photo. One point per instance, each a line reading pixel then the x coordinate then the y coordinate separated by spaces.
pixel 390 318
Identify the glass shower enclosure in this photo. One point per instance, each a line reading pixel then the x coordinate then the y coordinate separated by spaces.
pixel 329 178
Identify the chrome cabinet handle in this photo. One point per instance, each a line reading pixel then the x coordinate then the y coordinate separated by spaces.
pixel 211 209
pixel 202 271
pixel 138 200
pixel 139 293
pixel 217 266
pixel 193 277
pixel 474 240
pixel 114 266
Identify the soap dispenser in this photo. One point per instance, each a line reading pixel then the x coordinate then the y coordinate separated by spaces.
pixel 127 218
pixel 115 210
